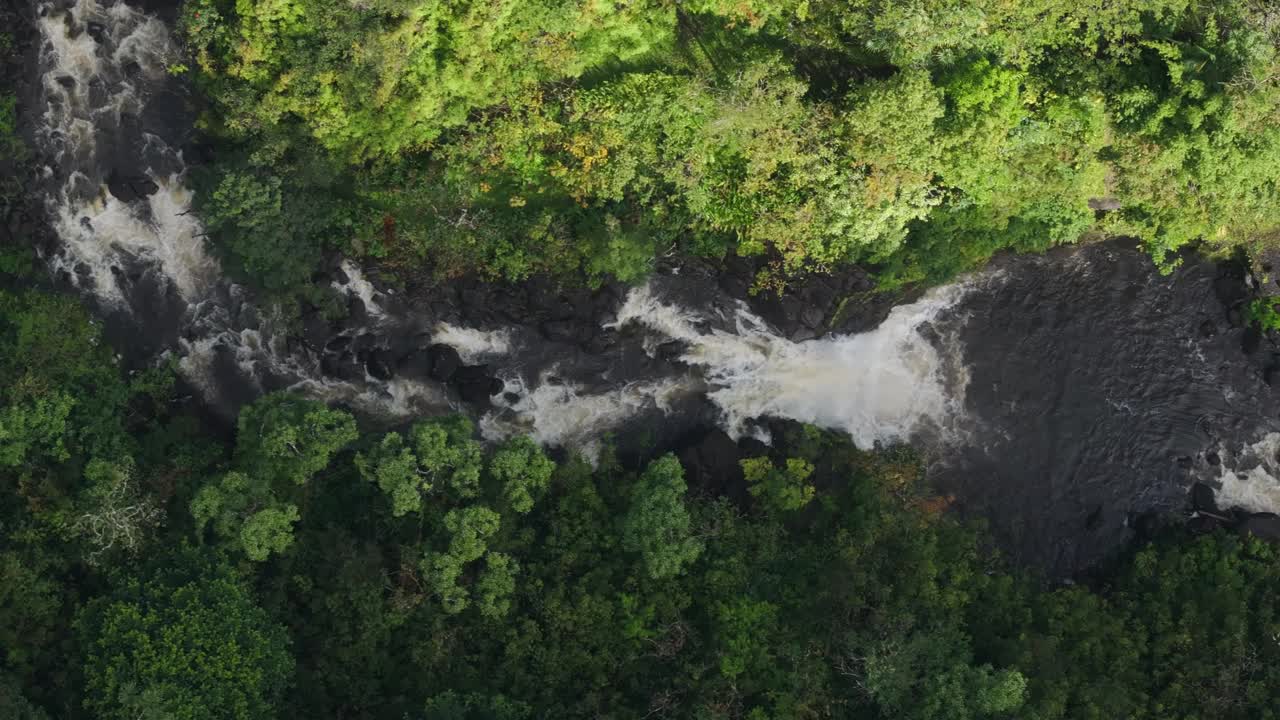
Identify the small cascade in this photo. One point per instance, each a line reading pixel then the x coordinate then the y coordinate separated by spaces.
pixel 559 413
pixel 1249 478
pixel 358 286
pixel 101 66
pixel 473 345
pixel 119 202
pixel 884 386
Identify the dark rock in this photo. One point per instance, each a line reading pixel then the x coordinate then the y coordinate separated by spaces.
pixel 66 81
pixel 128 188
pixel 812 317
pixel 338 344
pixel 802 334
pixel 511 398
pixel 1201 498
pixel 1094 520
pixel 357 313
pixel 1271 373
pixel 1208 328
pixel 343 367
pixel 1149 524
pixel 315 331
pixel 567 331
pixel 1261 525
pixel 1203 524
pixel 601 342
pixel 1185 462
pixel 670 351
pixel 442 362
pixel 472 374
pixel 97 31
pixel 475 384
pixel 1251 340
pixel 712 464
pixel 380 365
pixel 99 96
pixel 1235 317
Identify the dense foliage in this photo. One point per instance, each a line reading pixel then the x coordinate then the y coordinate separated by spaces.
pixel 303 565
pixel 919 136
pixel 150 569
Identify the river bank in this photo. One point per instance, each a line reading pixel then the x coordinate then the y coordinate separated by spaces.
pixel 1059 397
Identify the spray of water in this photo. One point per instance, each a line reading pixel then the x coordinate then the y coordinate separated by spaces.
pixel 473 345
pixel 89 94
pixel 358 285
pixel 1250 479
pixel 558 413
pixel 881 386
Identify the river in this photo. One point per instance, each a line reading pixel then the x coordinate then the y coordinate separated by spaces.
pixel 1057 396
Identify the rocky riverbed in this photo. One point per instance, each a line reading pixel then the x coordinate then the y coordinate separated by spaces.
pixel 1062 397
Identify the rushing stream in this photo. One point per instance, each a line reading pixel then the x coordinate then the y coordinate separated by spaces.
pixel 1056 395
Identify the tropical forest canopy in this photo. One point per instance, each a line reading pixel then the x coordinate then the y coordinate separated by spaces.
pixel 309 567
pixel 915 136
pixel 159 565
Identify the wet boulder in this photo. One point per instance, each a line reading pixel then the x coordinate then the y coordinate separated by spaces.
pixel 1266 270
pixel 1265 526
pixel 343 367
pixel 442 362
pixel 1251 340
pixel 316 331
pixel 476 384
pixel 670 351
pixel 130 187
pixel 713 464
pixel 567 331
pixel 97 31
pixel 357 313
pixel 381 364
pixel 1202 499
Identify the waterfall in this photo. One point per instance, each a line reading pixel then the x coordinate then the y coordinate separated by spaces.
pixel 892 384
pixel 883 386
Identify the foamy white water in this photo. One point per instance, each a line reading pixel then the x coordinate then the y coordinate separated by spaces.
pixel 1250 479
pixel 885 385
pixel 880 386
pixel 359 286
pixel 556 413
pixel 95 84
pixel 473 345
pixel 88 92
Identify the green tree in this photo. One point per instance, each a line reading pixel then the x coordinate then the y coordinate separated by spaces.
pixel 245 510
pixel 657 525
pixel 184 640
pixel 441 457
pixel 282 437
pixel 523 470
pixel 782 489
pixel 470 529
